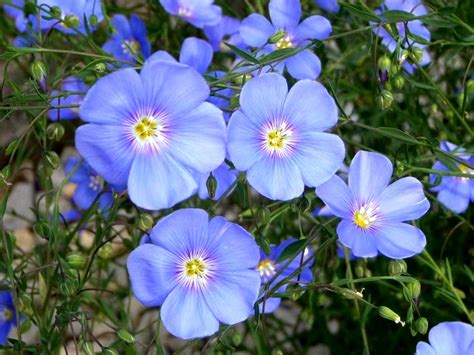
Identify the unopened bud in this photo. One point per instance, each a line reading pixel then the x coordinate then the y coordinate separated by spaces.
pixel 385 99
pixel 397 267
pixel 211 185
pixel 399 81
pixel 93 20
pixel 126 336
pixel 351 294
pixel 55 131
pixel 145 222
pixel 415 288
pixel 99 67
pixel 106 251
pixel 236 339
pixel 404 55
pixel 387 313
pixel 76 260
pixel 71 21
pixel 38 72
pixel 51 159
pixel 56 12
pixel 384 63
pixel 421 325
pixel 416 55
pixel 277 36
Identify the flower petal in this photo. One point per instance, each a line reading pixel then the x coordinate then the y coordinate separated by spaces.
pixel 107 150
pixel 285 14
pixel 182 230
pixel 120 24
pixel 318 156
pixel 369 175
pixel 337 196
pixel 314 27
pixel 173 89
pixel 403 200
pixel 452 338
pixel 113 99
pixel 161 55
pixel 152 271
pixel 304 65
pixel 455 196
pixel 255 30
pixel 186 314
pixel 196 53
pixel 243 141
pixel 262 98
pixel 158 181
pixel 231 295
pixel 399 240
pixel 276 178
pixel 361 242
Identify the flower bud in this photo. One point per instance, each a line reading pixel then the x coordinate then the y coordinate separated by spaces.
pixel 55 131
pixel 211 185
pixel 93 20
pixel 68 284
pixel 105 252
pixel 41 228
pixel 351 294
pixel 236 339
pixel 145 222
pixel 397 267
pixel 126 336
pixel 76 260
pixel 387 313
pixel 51 159
pixel 416 55
pixel 421 325
pixel 415 289
pixel 385 99
pixel 38 72
pixel 99 67
pixel 404 55
pixel 71 21
pixel 56 12
pixel 277 36
pixel 399 81
pixel 384 62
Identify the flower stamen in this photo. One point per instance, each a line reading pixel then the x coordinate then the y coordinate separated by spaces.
pixel 366 215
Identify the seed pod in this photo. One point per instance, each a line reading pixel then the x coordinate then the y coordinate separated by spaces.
pixel 55 131
pixel 76 260
pixel 397 267
pixel 145 222
pixel 126 336
pixel 415 289
pixel 421 325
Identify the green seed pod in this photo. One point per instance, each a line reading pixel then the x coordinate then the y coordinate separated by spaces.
pixel 56 12
pixel 52 160
pixel 415 288
pixel 105 252
pixel 385 99
pixel 71 21
pixel 55 131
pixel 68 285
pixel 399 81
pixel 397 267
pixel 145 222
pixel 211 185
pixel 25 325
pixel 41 228
pixel 421 325
pixel 404 55
pixel 76 260
pixel 277 36
pixel 99 67
pixel 416 54
pixel 126 336
pixel 295 292
pixel 407 294
pixel 236 339
pixel 387 313
pixel 93 20
pixel 384 63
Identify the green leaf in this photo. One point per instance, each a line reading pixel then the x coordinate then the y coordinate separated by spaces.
pixel 279 54
pixel 397 134
pixel 291 250
pixel 360 12
pixel 397 16
pixel 438 22
pixel 243 54
pixel 447 161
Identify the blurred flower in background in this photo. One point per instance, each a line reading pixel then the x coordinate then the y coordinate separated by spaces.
pixel 199 13
pixel 328 5
pixel 77 89
pixel 227 30
pixel 8 316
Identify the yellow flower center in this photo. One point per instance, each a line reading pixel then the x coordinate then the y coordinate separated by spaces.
pixel 278 138
pixel 365 216
pixel 130 47
pixel 7 314
pixel 266 268
pixel 195 268
pixel 146 128
pixel 285 42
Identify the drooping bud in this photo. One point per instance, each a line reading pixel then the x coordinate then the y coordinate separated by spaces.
pixel 416 55
pixel 387 313
pixel 384 63
pixel 99 68
pixel 38 72
pixel 56 12
pixel 145 222
pixel 397 267
pixel 385 99
pixel 415 289
pixel 71 21
pixel 55 131
pixel 51 159
pixel 126 336
pixel 398 81
pixel 93 20
pixel 211 185
pixel 421 325
pixel 76 260
pixel 236 339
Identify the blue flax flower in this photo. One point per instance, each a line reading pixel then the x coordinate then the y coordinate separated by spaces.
pixel 328 5
pixel 8 316
pixel 70 9
pixel 372 211
pixel 195 52
pixel 199 13
pixel 89 185
pixel 269 266
pixel 129 39
pixel 227 30
pixel 152 132
pixel 200 272
pixel 448 338
pixel 15 9
pixel 415 27
pixel 225 177
pixel 69 85
pixel 455 192
pixel 277 136
pixel 285 15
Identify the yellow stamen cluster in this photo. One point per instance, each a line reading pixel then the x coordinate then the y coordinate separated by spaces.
pixel 146 128
pixel 277 138
pixel 285 42
pixel 130 46
pixel 195 268
pixel 7 314
pixel 365 216
pixel 266 268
